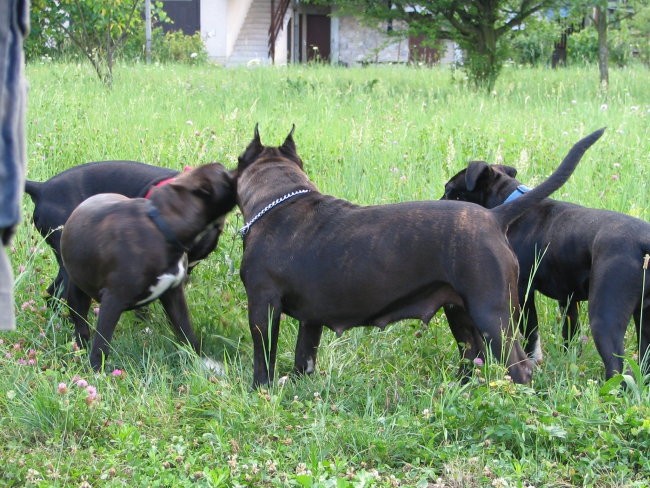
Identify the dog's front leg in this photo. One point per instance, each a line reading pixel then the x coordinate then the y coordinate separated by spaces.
pixel 530 326
pixel 175 305
pixel 309 335
pixel 469 340
pixel 109 313
pixel 570 323
pixel 265 339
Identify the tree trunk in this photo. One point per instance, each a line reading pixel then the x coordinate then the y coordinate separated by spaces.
pixel 603 51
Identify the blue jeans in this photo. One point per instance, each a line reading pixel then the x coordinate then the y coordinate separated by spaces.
pixel 14 25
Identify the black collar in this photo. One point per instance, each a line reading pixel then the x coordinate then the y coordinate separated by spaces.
pixel 154 214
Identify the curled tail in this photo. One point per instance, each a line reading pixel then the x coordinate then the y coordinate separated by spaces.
pixel 508 212
pixel 33 189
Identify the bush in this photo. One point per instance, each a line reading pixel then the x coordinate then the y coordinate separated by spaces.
pixel 582 47
pixel 167 47
pixel 181 48
pixel 535 45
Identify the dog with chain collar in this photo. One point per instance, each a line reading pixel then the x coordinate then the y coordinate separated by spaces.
pixel 328 262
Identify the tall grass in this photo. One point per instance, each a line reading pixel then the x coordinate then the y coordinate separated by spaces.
pixel 384 408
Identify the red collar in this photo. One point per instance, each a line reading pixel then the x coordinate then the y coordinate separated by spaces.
pixel 164 182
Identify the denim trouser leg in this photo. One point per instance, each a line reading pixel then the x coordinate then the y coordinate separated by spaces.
pixel 14 25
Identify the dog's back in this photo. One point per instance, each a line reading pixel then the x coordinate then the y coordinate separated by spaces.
pixel 55 199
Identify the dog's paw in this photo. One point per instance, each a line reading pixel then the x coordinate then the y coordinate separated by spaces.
pixel 537 356
pixel 283 380
pixel 214 367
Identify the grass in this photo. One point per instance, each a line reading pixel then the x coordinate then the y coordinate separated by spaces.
pixel 384 408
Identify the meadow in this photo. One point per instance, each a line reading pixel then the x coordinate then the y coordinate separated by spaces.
pixel 384 408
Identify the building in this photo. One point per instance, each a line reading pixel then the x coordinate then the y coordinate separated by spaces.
pixel 246 32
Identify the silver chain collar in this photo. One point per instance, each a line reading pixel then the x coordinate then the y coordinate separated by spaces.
pixel 244 230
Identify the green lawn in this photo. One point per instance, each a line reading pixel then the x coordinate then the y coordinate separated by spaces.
pixel 384 408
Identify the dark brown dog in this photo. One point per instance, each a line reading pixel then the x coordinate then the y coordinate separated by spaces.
pixel 571 253
pixel 326 261
pixel 125 253
pixel 55 199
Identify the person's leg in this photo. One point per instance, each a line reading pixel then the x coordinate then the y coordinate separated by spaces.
pixel 14 25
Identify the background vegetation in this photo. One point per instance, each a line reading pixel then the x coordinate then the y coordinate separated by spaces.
pixel 384 408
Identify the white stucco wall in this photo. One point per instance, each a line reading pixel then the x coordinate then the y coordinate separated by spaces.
pixel 214 27
pixel 221 21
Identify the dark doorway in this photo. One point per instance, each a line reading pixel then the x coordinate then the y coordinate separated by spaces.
pixel 422 52
pixel 185 14
pixel 318 37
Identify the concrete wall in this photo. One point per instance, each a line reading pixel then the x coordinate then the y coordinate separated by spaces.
pixel 355 43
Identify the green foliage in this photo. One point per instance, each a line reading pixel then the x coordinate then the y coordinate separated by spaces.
pixel 481 28
pixel 384 408
pixel 582 47
pixel 534 46
pixel 169 47
pixel 97 30
pixel 180 48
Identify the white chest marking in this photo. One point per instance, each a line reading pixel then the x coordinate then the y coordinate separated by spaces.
pixel 167 281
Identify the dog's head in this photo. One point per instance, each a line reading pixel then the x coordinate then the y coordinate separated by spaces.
pixel 487 185
pixel 211 185
pixel 257 152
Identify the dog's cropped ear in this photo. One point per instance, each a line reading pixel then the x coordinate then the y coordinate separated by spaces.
pixel 251 152
pixel 289 146
pixel 475 171
pixel 256 134
pixel 506 170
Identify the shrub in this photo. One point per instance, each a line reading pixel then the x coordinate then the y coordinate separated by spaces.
pixel 180 48
pixel 535 46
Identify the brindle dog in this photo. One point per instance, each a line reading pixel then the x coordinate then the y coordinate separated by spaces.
pixel 326 261
pixel 55 199
pixel 126 252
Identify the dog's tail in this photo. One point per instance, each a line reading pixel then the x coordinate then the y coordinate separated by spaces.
pixel 33 189
pixel 508 212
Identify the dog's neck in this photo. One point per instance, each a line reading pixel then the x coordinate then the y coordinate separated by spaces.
pixel 163 226
pixel 185 221
pixel 252 203
pixel 244 230
pixel 516 193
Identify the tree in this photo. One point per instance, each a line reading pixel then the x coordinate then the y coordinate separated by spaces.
pixel 603 14
pixel 97 29
pixel 481 28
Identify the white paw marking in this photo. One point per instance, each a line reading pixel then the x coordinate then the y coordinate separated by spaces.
pixel 310 366
pixel 538 355
pixel 214 366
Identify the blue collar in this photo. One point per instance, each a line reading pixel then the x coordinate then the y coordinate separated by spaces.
pixel 519 191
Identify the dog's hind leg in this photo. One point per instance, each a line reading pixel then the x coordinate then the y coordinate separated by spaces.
pixel 79 304
pixel 570 325
pixel 265 340
pixel 612 302
pixel 469 340
pixel 175 305
pixel 496 326
pixel 110 310
pixel 643 336
pixel 309 335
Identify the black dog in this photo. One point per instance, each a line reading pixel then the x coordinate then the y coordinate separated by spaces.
pixel 326 261
pixel 571 253
pixel 125 253
pixel 55 199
